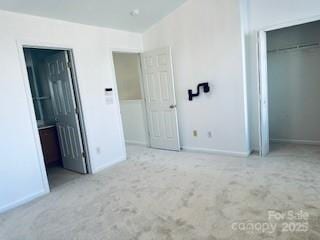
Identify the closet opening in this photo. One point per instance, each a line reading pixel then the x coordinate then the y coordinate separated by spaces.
pixel 57 108
pixel 291 90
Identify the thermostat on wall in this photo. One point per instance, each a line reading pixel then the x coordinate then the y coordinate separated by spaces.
pixel 108 95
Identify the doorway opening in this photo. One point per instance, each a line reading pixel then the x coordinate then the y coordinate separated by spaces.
pixel 131 97
pixel 290 114
pixel 57 109
pixel 147 98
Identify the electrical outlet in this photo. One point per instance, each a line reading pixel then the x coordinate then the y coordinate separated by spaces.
pixel 195 133
pixel 209 134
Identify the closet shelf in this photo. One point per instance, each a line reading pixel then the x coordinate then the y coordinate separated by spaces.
pixel 41 98
pixel 296 47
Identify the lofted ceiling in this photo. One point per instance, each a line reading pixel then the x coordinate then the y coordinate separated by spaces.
pixel 103 13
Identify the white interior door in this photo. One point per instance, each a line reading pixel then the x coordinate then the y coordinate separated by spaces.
pixel 64 105
pixel 160 99
pixel 263 94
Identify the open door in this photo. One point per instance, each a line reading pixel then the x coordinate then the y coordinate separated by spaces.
pixel 160 99
pixel 65 111
pixel 263 94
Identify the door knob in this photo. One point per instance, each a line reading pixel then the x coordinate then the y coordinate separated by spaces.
pixel 173 106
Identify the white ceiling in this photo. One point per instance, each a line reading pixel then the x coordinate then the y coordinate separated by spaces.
pixel 104 13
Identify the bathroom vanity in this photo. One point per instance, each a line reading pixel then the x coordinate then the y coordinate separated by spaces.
pixel 50 144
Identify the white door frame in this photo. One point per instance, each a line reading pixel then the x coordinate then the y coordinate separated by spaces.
pixel 262 72
pixel 21 44
pixel 263 94
pixel 114 79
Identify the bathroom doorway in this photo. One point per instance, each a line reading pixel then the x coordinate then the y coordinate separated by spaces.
pixel 57 108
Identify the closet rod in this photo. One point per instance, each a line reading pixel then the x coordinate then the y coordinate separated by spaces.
pixel 296 47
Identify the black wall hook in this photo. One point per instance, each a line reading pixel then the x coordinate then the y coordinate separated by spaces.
pixel 206 89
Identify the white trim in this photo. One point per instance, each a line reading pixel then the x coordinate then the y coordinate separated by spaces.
pixel 32 117
pixel 257 51
pixel 117 101
pixel 137 143
pixel 217 152
pixel 175 96
pixel 126 50
pixel 263 97
pixel 290 23
pixel 23 201
pixel 244 6
pixel 144 106
pixel 43 45
pixel 110 164
pixel 296 141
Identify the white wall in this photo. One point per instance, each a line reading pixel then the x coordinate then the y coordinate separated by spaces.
pixel 265 14
pixel 207 45
pixel 127 68
pixel 20 171
pixel 294 84
pixel 134 122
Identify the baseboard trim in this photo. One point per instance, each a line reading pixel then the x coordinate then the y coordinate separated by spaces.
pixel 108 165
pixel 23 201
pixel 217 152
pixel 305 142
pixel 137 143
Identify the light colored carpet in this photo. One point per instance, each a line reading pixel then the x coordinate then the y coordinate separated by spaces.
pixel 58 176
pixel 169 195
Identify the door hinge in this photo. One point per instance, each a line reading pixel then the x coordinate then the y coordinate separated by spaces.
pixel 69 65
pixel 77 111
pixel 84 155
